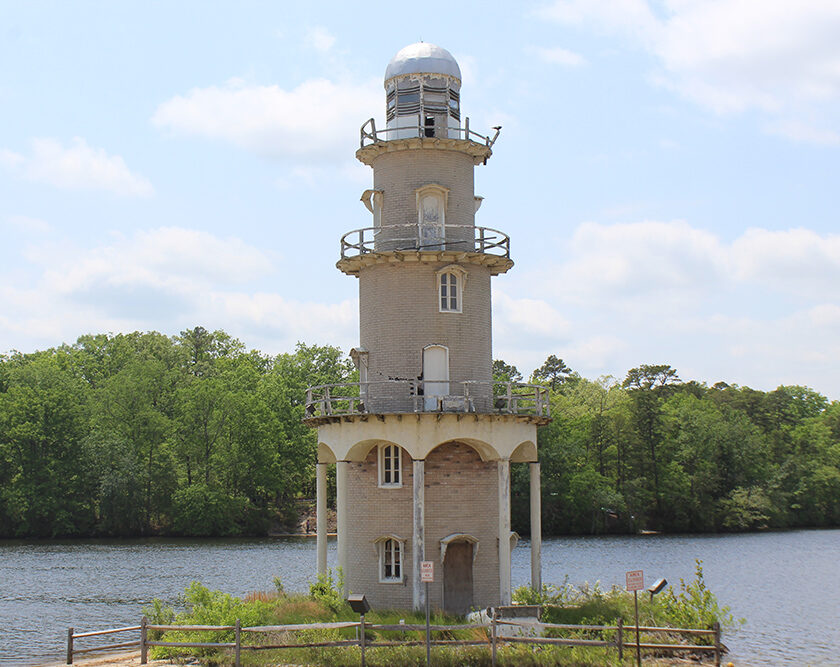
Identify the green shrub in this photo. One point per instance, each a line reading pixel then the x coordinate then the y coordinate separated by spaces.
pixel 326 591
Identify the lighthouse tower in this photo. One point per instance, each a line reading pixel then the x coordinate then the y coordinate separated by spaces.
pixel 423 443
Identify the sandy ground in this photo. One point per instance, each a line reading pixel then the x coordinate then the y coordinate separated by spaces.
pixel 123 659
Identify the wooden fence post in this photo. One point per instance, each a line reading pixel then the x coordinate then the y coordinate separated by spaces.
pixel 69 646
pixel 144 649
pixel 717 643
pixel 493 638
pixel 362 637
pixel 620 638
pixel 238 640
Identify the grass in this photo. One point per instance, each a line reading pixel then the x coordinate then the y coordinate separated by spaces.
pixel 690 605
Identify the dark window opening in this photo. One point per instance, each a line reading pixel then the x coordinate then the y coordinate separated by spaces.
pixel 430 126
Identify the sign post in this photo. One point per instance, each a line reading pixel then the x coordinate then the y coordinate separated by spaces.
pixel 636 582
pixel 427 576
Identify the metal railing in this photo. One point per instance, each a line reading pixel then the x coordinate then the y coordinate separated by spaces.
pixel 419 396
pixel 390 238
pixel 371 135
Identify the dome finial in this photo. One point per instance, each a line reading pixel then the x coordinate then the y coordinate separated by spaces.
pixel 423 58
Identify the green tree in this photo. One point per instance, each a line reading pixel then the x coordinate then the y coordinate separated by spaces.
pixel 554 371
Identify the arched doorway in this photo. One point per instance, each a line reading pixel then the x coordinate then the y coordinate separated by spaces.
pixel 458 556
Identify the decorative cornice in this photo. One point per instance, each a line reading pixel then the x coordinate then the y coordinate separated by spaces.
pixel 480 153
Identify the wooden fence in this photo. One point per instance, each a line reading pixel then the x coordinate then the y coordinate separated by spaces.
pixel 616 635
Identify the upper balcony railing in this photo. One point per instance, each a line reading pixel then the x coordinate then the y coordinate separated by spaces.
pixel 419 396
pixel 458 238
pixel 370 135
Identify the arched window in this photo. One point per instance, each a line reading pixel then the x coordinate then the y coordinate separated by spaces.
pixel 431 216
pixel 390 550
pixel 390 466
pixel 450 288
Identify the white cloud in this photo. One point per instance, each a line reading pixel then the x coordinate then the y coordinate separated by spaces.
pixel 317 120
pixel 29 225
pixel 560 56
pixel 803 132
pixel 77 167
pixel 320 39
pixel 623 260
pixel 165 279
pixel 778 56
pixel 794 260
pixel 169 259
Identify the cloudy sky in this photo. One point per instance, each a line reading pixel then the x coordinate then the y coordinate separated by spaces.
pixel 669 173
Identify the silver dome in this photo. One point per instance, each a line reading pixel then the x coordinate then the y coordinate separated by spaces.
pixel 423 58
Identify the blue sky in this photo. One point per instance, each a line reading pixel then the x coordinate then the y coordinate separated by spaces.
pixel 667 172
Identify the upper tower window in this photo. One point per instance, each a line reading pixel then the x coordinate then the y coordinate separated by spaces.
pixel 431 215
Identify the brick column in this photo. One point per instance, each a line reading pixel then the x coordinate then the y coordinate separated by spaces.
pixel 418 549
pixel 504 531
pixel 341 512
pixel 321 515
pixel 536 527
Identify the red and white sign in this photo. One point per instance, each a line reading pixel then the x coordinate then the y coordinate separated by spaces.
pixel 635 580
pixel 427 571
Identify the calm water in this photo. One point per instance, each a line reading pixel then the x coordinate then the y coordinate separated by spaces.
pixel 787 585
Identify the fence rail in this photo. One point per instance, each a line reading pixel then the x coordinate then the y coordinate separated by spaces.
pixel 615 634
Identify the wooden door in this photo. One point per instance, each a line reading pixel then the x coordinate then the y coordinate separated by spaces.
pixel 458 578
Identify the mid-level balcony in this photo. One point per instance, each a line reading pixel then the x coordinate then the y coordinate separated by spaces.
pixel 419 396
pixel 414 237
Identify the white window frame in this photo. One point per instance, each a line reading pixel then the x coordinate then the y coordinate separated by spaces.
pixel 383 460
pixel 461 279
pixel 389 546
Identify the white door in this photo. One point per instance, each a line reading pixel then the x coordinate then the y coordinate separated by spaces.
pixel 435 375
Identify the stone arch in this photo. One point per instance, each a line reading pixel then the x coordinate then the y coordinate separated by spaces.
pixel 485 450
pixel 524 452
pixel 325 453
pixel 361 449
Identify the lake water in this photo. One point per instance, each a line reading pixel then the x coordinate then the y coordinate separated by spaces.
pixel 787 584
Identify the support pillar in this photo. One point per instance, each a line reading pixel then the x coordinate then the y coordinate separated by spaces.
pixel 341 508
pixel 321 515
pixel 418 549
pixel 536 527
pixel 504 531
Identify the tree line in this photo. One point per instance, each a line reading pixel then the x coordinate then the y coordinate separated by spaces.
pixel 653 452
pixel 144 434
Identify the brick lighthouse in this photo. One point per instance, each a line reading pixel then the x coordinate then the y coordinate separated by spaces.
pixel 422 444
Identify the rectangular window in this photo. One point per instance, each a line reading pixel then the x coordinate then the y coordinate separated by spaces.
pixel 390 466
pixel 449 293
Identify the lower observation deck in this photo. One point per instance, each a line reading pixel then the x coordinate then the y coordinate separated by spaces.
pixel 421 397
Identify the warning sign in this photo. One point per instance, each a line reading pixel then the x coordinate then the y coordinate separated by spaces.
pixel 427 571
pixel 635 580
